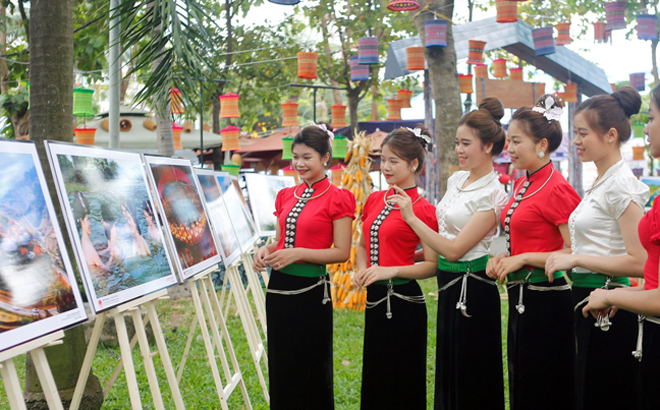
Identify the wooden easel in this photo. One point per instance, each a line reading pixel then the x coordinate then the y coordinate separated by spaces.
pixel 117 313
pixel 207 311
pixel 254 287
pixel 10 378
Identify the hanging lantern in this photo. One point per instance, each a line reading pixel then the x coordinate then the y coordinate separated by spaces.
pixel 232 169
pixel 516 74
pixel 285 2
pixel 404 96
pixel 402 5
pixel 638 153
pixel 647 27
pixel 544 43
pixel 476 54
pixel 368 50
pixel 570 92
pixel 415 58
pixel 480 70
pixel 339 147
pixel 499 68
pixel 338 112
pixel 307 63
pixel 176 134
pixel 507 11
pixel 82 102
pixel 290 172
pixel 230 138
pixel 435 32
pixel 359 72
pixel 289 114
pixel 637 81
pixel 563 33
pixel 287 143
pixel 85 135
pixel 465 82
pixel 393 109
pixel 615 11
pixel 229 106
pixel 560 96
pixel 601 33
pixel 638 130
pixel 176 106
pixel 337 174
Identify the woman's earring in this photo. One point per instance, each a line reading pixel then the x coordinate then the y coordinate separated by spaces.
pixel 414 169
pixel 325 164
pixel 541 154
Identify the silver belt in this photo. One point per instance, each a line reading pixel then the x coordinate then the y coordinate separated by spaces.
pixel 390 292
pixel 520 307
pixel 323 281
pixel 640 333
pixel 462 299
pixel 602 322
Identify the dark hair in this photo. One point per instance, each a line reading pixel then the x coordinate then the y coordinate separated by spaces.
pixel 407 145
pixel 485 121
pixel 655 96
pixel 604 112
pixel 315 138
pixel 537 126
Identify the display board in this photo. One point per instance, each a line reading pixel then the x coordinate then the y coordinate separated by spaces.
pixel 241 220
pixel 654 187
pixel 262 192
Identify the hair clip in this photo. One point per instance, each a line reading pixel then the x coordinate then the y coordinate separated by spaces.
pixel 550 113
pixel 331 135
pixel 418 133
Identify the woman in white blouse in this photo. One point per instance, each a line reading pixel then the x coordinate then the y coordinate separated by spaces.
pixel 605 251
pixel 469 351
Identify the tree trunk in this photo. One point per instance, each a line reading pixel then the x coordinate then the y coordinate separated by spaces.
pixel 654 61
pixel 352 109
pixel 51 80
pixel 444 83
pixel 4 72
pixel 162 110
pixel 374 95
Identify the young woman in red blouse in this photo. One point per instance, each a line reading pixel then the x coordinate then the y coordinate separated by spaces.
pixel 311 218
pixel 645 301
pixel 396 320
pixel 541 342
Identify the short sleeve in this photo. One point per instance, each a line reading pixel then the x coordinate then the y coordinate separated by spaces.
pixel 278 203
pixel 367 206
pixel 495 200
pixel 343 205
pixel 621 192
pixel 563 202
pixel 427 215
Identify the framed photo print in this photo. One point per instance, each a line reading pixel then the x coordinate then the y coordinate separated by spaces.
pixel 262 191
pixel 240 216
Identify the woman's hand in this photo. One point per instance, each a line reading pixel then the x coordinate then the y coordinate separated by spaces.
pixel 403 201
pixel 507 265
pixel 374 273
pixel 559 261
pixel 598 305
pixel 282 258
pixel 260 258
pixel 491 271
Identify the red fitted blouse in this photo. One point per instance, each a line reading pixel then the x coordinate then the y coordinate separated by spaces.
pixel 649 235
pixel 314 224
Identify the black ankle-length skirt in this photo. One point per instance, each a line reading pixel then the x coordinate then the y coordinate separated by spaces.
pixel 299 345
pixel 468 373
pixel 541 348
pixel 394 364
pixel 606 373
pixel 650 367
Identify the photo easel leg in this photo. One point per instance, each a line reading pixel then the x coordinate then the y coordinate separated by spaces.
pixel 12 385
pixel 256 290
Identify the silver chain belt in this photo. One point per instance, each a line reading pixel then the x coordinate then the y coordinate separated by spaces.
pixel 390 292
pixel 640 333
pixel 462 299
pixel 323 281
pixel 602 322
pixel 520 307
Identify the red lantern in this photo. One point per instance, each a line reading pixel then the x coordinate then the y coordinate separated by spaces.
pixel 507 11
pixel 601 33
pixel 176 106
pixel 480 70
pixel 402 5
pixel 393 109
pixel 404 96
pixel 476 53
pixel 570 92
pixel 616 11
pixel 563 33
pixel 290 172
pixel 307 64
pixel 338 115
pixel 516 74
pixel 337 174
pixel 289 114
pixel 176 134
pixel 499 68
pixel 465 82
pixel 638 153
pixel 229 106
pixel 230 138
pixel 415 58
pixel 85 135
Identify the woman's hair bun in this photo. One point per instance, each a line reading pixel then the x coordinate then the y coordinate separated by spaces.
pixel 629 99
pixel 493 106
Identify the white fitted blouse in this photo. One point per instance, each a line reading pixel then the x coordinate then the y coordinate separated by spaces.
pixel 459 204
pixel 593 224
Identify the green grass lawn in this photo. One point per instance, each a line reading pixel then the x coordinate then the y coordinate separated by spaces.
pixel 197 385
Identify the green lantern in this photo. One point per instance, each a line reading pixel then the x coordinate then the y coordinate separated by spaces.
pixel 638 130
pixel 82 102
pixel 232 169
pixel 287 142
pixel 339 147
pixel 28 91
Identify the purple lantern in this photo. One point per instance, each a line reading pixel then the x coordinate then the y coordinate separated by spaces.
pixel 368 50
pixel 615 11
pixel 359 72
pixel 544 42
pixel 637 81
pixel 436 33
pixel 647 27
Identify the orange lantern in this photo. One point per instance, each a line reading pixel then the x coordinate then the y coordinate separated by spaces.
pixel 176 106
pixel 338 112
pixel 480 70
pixel 415 58
pixel 563 33
pixel 230 138
pixel 465 81
pixel 176 134
pixel 638 153
pixel 476 52
pixel 290 172
pixel 570 92
pixel 516 74
pixel 307 63
pixel 601 33
pixel 289 114
pixel 499 68
pixel 507 11
pixel 229 106
pixel 393 109
pixel 404 96
pixel 337 174
pixel 85 135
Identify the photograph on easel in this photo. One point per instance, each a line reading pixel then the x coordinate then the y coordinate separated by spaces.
pixel 240 216
pixel 220 218
pixel 182 207
pixel 262 191
pixel 108 207
pixel 38 289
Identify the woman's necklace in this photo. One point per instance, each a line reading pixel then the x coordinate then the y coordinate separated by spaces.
pixel 475 188
pixel 303 198
pixel 387 204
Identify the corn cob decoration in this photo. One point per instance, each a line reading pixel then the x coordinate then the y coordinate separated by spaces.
pixel 345 295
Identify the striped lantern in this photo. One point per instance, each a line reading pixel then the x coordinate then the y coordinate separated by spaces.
pixel 85 135
pixel 570 92
pixel 337 174
pixel 176 106
pixel 499 68
pixel 287 144
pixel 563 33
pixel 507 11
pixel 637 81
pixel 465 82
pixel 638 153
pixel 601 33
pixel 647 27
pixel 638 130
pixel 307 64
pixel 415 58
pixel 560 96
pixel 435 32
pixel 290 172
pixel 338 112
pixel 393 109
pixel 615 11
pixel 516 74
pixel 176 134
pixel 368 50
pixel 230 138
pixel 476 53
pixel 82 102
pixel 404 96
pixel 480 70
pixel 232 169
pixel 544 42
pixel 339 147
pixel 229 106
pixel 359 72
pixel 289 114
pixel 285 2
pixel 402 5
